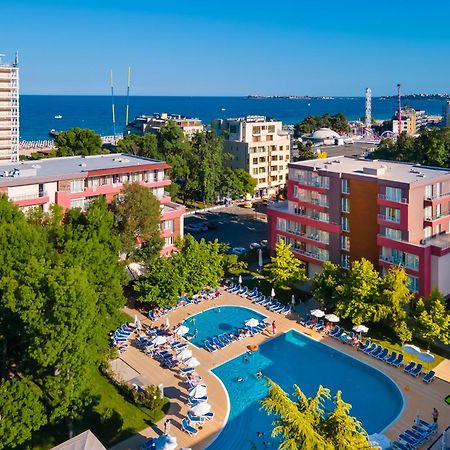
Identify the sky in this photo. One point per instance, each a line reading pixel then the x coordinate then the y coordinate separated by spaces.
pixel 199 47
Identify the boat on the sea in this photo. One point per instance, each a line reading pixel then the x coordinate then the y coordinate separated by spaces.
pixel 53 133
pixel 59 116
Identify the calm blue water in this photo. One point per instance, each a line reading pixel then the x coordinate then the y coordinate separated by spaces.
pixel 38 111
pixel 219 320
pixel 293 358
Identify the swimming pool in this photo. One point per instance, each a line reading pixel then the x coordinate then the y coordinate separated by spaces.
pixel 219 320
pixel 293 358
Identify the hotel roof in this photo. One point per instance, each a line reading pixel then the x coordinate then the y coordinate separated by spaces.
pixel 373 168
pixel 73 167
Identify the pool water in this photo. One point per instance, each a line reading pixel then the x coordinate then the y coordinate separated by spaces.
pixel 293 358
pixel 219 320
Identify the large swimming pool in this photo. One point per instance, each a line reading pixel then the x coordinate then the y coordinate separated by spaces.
pixel 219 320
pixel 293 358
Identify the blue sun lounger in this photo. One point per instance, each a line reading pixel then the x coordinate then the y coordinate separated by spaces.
pixel 382 355
pixel 409 367
pixel 207 344
pixel 339 333
pixel 333 332
pixel 391 358
pixel 370 349
pixel 365 346
pixel 429 377
pixel 396 445
pixel 195 401
pixel 194 419
pixel 260 299
pixel 416 371
pixel 217 343
pixel 398 361
pixel 377 351
pixel 187 428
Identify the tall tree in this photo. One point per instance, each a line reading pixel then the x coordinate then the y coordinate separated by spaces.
pixel 146 145
pixel 138 216
pixel 327 285
pixel 284 267
pixel 304 423
pixel 78 141
pixel 432 321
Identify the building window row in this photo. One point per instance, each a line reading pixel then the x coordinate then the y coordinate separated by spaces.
pixel 345 261
pixel 345 204
pixel 345 223
pixel 310 178
pixel 312 214
pixel 314 197
pixel 305 249
pixel 345 242
pixel 300 229
pixel 399 257
pixel 391 215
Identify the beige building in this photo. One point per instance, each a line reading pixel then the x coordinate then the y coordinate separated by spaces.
pixel 153 124
pixel 260 146
pixel 412 121
pixel 9 112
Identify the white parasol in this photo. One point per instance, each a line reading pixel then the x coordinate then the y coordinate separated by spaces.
pixel 182 330
pixel 159 340
pixel 192 362
pixel 198 391
pixel 252 323
pixel 411 349
pixel 317 313
pixel 332 318
pixel 240 279
pixel 272 293
pixel 184 354
pixel 360 329
pixel 201 409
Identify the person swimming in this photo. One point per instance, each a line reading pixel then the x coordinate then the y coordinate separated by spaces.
pixel 245 359
pixel 259 374
pixel 239 380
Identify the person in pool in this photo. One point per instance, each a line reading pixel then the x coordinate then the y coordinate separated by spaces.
pixel 239 380
pixel 259 374
pixel 245 359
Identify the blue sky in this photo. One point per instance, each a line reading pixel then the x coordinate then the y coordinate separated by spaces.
pixel 198 47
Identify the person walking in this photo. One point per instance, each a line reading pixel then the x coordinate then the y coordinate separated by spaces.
pixel 167 425
pixel 435 415
pixel 274 328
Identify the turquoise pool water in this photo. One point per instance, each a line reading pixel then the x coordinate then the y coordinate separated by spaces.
pixel 219 320
pixel 293 358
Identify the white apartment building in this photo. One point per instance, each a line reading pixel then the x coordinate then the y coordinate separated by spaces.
pixel 9 112
pixel 260 146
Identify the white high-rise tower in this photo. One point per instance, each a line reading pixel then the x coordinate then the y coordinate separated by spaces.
pixel 368 117
pixel 9 111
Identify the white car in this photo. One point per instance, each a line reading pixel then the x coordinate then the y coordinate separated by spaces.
pixel 263 243
pixel 254 246
pixel 238 251
pixel 196 228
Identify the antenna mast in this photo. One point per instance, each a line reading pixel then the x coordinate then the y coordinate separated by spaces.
pixel 128 96
pixel 399 112
pixel 112 107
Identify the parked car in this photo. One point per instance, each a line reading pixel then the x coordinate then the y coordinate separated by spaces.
pixel 248 205
pixel 263 243
pixel 255 246
pixel 196 227
pixel 238 251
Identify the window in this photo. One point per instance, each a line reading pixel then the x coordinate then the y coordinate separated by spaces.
pixel 345 261
pixel 345 223
pixel 345 184
pixel 262 180
pixel 168 241
pixel 345 243
pixel 255 160
pixel 429 191
pixel 77 186
pixel 393 215
pixel 438 210
pixel 233 128
pixel 428 212
pixel 394 194
pixel 345 204
pixel 255 171
pixel 280 177
pixel 167 225
pixel 413 283
pixel 256 129
pixel 428 231
pixel 281 224
pixel 280 157
pixel 77 203
pixel 391 233
pixel 295 194
pixel 271 128
pixel 438 229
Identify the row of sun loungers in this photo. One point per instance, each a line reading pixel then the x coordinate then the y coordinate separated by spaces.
pixel 121 335
pixel 415 436
pixel 163 356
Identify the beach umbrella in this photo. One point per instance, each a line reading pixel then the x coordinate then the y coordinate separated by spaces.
pixel 252 323
pixel 135 318
pixel 192 362
pixel 165 442
pixel 293 299
pixel 184 354
pixel 272 293
pixel 360 329
pixel 426 357
pixel 417 421
pixel 411 349
pixel 260 259
pixel 201 409
pixel 317 313
pixel 182 330
pixel 380 441
pixel 240 279
pixel 332 318
pixel 159 340
pixel 198 391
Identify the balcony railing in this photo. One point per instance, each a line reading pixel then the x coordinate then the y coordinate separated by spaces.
pixel 313 236
pixel 313 216
pixel 18 198
pixel 399 262
pixel 437 197
pixel 389 218
pixel 311 254
pixel 313 182
pixel 393 199
pixel 437 216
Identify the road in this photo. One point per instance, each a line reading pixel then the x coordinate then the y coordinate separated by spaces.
pixel 236 226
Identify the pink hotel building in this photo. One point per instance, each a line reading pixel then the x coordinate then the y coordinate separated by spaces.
pixel 74 181
pixel 342 209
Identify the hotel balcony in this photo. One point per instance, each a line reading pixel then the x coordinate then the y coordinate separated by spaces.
pixel 307 237
pixel 437 219
pixel 388 221
pixel 386 200
pixel 38 198
pixel 314 256
pixel 436 199
pixel 397 261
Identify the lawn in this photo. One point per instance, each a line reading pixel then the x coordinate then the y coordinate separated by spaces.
pixel 110 416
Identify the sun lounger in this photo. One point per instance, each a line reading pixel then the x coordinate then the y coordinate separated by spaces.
pixel 319 325
pixel 420 438
pixel 382 355
pixel 187 428
pixel 217 343
pixel 396 445
pixel 186 370
pixel 169 363
pixel 398 361
pixel 244 291
pixel 259 300
pixel 416 371
pixel 207 344
pixel 253 294
pixel 429 377
pixel 377 351
pixel 370 349
pixel 407 439
pixel 409 367
pixel 364 346
pixel 195 401
pixel 339 334
pixel 207 416
pixel 194 419
pixel 334 330
pixel 390 358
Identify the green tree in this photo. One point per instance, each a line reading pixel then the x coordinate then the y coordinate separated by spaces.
pixel 337 122
pixel 432 322
pixel 328 285
pixel 246 183
pixel 360 296
pixel 284 267
pixel 78 141
pixel 21 412
pixel 146 145
pixel 304 152
pixel 138 215
pixel 304 424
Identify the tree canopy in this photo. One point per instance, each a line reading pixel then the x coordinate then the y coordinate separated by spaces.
pixel 303 423
pixel 78 141
pixel 337 122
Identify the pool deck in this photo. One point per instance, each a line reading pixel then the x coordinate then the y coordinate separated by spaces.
pixel 419 396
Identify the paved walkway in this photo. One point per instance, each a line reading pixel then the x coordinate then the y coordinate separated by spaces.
pixel 419 396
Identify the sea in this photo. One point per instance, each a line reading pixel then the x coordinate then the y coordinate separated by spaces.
pixel 37 112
